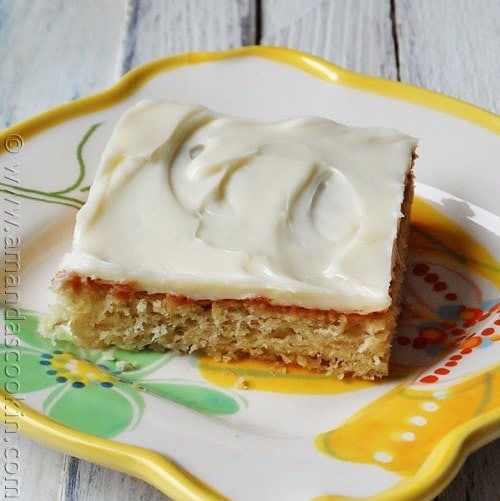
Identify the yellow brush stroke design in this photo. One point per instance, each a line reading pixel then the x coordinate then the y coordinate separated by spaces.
pixel 399 430
pixel 433 233
pixel 250 374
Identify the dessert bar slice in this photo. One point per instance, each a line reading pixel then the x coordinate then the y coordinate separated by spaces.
pixel 281 240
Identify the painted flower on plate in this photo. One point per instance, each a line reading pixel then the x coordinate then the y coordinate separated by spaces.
pixel 96 391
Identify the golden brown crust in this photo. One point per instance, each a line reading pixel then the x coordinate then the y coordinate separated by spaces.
pixel 128 290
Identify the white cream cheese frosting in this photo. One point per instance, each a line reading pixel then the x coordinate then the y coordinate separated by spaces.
pixel 301 211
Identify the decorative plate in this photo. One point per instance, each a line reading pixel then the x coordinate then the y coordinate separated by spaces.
pixel 196 428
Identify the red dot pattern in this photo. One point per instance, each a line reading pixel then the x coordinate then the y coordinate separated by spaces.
pixel 463 340
pixel 420 269
pixel 423 270
pixel 431 277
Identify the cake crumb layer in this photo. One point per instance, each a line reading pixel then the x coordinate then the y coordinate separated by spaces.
pixel 97 314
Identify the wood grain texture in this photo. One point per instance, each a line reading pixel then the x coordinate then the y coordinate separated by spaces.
pixel 86 481
pixel 355 34
pixel 478 479
pixel 158 28
pixel 452 47
pixel 53 52
pixel 29 470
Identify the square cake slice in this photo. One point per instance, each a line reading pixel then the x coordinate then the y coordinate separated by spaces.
pixel 281 240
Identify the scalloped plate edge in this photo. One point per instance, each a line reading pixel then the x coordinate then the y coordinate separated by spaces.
pixel 313 65
pixel 154 468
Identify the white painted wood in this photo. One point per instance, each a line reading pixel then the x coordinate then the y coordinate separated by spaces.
pixel 29 471
pixel 89 482
pixel 355 34
pixel 452 47
pixel 53 52
pixel 166 27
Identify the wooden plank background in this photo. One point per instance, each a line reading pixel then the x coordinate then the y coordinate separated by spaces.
pixel 53 52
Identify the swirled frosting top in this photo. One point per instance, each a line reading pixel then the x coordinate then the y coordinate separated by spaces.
pixel 302 211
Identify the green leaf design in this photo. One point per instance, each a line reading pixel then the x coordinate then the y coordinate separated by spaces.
pixel 134 366
pixel 101 411
pixel 60 197
pixel 81 163
pixel 22 372
pixel 95 391
pixel 196 397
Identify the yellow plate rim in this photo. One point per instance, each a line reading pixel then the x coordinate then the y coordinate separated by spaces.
pixel 157 470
